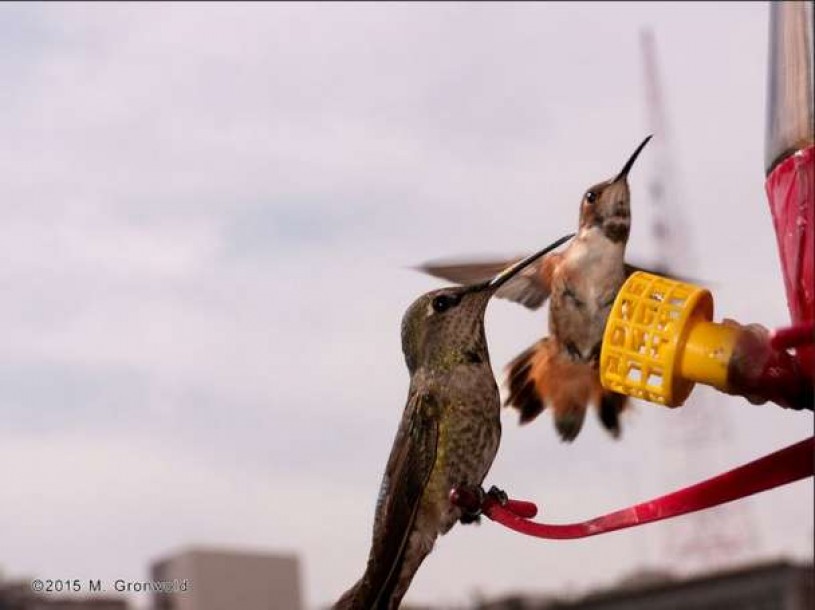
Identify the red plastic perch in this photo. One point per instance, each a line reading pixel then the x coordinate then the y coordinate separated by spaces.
pixel 788 465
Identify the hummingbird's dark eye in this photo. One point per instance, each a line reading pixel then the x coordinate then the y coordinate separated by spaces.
pixel 591 196
pixel 443 302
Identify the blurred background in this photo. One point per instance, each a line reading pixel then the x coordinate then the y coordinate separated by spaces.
pixel 209 217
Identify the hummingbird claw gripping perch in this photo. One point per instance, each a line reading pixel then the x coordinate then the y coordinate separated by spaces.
pixel 499 495
pixel 475 502
pixel 470 499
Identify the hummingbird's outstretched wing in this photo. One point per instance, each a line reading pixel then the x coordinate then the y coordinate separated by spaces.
pixel 466 272
pixel 410 464
pixel 530 287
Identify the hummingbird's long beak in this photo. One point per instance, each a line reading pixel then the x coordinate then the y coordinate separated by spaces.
pixel 509 272
pixel 630 163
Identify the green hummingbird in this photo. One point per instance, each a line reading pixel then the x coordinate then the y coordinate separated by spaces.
pixel 448 436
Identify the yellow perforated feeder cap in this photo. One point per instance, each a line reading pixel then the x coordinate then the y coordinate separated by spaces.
pixel 659 340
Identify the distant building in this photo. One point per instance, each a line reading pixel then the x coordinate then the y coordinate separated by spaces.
pixel 215 579
pixel 773 586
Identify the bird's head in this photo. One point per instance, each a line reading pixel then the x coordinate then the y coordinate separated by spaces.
pixel 445 327
pixel 607 205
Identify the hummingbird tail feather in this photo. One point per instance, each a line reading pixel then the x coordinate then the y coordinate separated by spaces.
pixel 408 568
pixel 525 394
pixel 610 407
pixel 348 601
pixel 366 594
pixel 382 587
pixel 574 385
pixel 545 375
pixel 368 591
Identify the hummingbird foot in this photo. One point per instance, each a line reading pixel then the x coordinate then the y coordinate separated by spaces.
pixel 499 495
pixel 611 407
pixel 467 519
pixel 470 499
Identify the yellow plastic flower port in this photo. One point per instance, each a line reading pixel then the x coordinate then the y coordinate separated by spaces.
pixel 659 340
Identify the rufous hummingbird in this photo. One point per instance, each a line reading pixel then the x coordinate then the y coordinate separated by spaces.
pixel 561 371
pixel 448 436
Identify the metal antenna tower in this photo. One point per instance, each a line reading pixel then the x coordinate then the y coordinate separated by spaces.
pixel 695 434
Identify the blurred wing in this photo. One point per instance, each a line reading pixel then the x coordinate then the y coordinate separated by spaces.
pixel 467 272
pixel 530 287
pixel 409 468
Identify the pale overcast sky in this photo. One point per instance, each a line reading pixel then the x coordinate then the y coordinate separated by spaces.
pixel 208 217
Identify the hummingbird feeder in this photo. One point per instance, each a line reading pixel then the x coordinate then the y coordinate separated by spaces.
pixel 660 339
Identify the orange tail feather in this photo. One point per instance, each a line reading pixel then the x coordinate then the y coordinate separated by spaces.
pixel 544 375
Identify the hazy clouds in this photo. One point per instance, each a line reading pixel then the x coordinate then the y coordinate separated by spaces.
pixel 208 216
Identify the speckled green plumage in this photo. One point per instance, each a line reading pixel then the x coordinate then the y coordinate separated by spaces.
pixel 448 436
